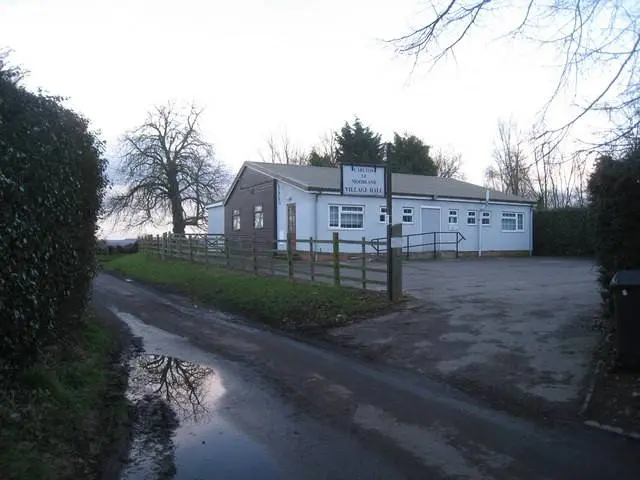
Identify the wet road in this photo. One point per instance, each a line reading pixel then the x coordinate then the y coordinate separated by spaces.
pixel 262 405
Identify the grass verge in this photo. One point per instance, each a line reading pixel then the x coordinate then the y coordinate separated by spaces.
pixel 275 301
pixel 61 416
pixel 103 258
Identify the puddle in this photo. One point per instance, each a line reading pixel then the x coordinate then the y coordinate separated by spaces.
pixel 179 429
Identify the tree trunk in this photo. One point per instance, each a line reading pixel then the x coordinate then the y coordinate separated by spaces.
pixel 176 202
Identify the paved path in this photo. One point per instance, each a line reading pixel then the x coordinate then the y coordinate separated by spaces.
pixel 308 412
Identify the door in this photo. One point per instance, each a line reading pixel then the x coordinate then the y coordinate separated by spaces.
pixel 291 224
pixel 430 222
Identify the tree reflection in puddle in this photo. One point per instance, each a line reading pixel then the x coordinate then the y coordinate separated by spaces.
pixel 165 392
pixel 181 384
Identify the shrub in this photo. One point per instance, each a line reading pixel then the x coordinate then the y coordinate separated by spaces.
pixel 614 193
pixel 52 183
pixel 563 232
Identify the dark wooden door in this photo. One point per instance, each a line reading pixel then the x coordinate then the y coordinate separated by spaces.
pixel 291 224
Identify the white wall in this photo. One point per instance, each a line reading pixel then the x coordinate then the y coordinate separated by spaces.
pixel 313 221
pixel 493 238
pixel 304 201
pixel 216 219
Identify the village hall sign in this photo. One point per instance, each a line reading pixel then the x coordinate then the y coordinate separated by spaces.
pixel 363 180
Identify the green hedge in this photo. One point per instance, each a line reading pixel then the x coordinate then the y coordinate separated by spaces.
pixel 614 194
pixel 52 183
pixel 563 232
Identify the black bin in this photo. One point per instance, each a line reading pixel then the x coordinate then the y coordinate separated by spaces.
pixel 625 290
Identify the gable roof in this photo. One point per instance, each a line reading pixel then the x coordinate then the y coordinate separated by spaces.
pixel 320 179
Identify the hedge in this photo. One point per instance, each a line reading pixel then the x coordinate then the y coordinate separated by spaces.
pixel 563 232
pixel 614 194
pixel 52 181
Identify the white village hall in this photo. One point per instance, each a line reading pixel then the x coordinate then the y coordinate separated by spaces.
pixel 268 201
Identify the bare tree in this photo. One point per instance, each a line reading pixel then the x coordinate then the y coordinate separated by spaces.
pixel 282 150
pixel 559 180
pixel 509 172
pixel 449 164
pixel 325 152
pixel 328 147
pixel 166 170
pixel 602 35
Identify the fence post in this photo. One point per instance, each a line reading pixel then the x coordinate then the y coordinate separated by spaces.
pixel 395 288
pixel 407 247
pixel 190 248
pixel 434 244
pixel 312 260
pixel 227 252
pixel 457 253
pixel 273 257
pixel 289 255
pixel 364 264
pixel 336 259
pixel 206 248
pixel 253 254
pixel 163 251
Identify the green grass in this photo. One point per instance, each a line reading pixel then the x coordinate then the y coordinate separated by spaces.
pixel 61 416
pixel 275 301
pixel 103 258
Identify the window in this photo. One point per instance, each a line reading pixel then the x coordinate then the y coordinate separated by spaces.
pixel 235 220
pixel 258 217
pixel 453 217
pixel 471 217
pixel 407 214
pixel 486 218
pixel 382 215
pixel 346 216
pixel 512 222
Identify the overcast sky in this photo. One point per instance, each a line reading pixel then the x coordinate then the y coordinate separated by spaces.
pixel 270 66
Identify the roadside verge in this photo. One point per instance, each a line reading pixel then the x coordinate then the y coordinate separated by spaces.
pixel 64 415
pixel 277 302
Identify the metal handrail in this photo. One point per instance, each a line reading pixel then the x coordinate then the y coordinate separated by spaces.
pixel 380 244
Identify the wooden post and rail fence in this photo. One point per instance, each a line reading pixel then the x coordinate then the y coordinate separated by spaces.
pixel 336 261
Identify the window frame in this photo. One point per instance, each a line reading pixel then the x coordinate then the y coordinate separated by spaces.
pixel 473 217
pixel 412 214
pixel 340 207
pixel 382 211
pixel 456 215
pixel 235 214
pixel 485 215
pixel 515 218
pixel 258 210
